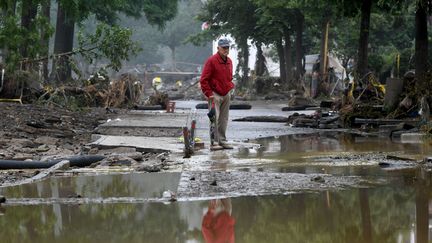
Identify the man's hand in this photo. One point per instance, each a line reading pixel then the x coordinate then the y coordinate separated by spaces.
pixel 210 98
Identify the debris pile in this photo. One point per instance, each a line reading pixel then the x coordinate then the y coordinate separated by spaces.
pixel 319 119
pixel 391 111
pixel 125 92
pixel 157 99
pixel 98 91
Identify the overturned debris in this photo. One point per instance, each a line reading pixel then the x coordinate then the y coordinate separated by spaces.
pixel 316 120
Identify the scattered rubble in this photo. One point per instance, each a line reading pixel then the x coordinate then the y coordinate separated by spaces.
pixel 43 133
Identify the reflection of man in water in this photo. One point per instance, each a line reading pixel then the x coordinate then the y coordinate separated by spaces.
pixel 218 224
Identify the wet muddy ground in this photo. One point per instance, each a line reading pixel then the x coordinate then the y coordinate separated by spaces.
pixel 314 187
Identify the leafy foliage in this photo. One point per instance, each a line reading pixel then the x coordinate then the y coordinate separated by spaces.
pixel 13 36
pixel 110 42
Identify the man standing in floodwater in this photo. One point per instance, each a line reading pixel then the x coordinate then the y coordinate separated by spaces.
pixel 216 84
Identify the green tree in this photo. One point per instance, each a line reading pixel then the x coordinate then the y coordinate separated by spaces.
pixel 71 12
pixel 421 43
pixel 20 26
pixel 176 31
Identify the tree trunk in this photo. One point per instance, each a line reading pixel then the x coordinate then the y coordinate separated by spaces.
pixel 362 63
pixel 288 57
pixel 243 67
pixel 260 64
pixel 324 48
pixel 63 43
pixel 173 58
pixel 46 8
pixel 421 45
pixel 281 55
pixel 321 84
pixel 299 46
pixel 28 14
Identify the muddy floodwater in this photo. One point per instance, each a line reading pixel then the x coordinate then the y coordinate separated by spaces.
pixel 137 207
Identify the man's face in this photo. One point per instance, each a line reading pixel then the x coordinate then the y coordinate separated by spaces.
pixel 223 51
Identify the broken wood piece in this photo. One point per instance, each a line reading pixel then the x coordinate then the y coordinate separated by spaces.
pixel 12 100
pixel 187 150
pixel 281 119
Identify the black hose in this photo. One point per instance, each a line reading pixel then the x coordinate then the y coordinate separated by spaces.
pixel 148 107
pixel 79 161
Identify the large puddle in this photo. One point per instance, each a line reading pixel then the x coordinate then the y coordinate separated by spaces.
pixel 334 153
pixel 390 214
pixel 397 211
pixel 131 185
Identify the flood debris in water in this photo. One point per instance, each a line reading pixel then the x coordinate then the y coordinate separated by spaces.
pixel 234 184
pixel 383 160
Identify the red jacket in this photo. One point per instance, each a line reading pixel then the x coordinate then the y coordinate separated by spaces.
pixel 218 228
pixel 217 76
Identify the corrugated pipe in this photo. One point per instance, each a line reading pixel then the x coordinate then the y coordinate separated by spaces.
pixel 79 161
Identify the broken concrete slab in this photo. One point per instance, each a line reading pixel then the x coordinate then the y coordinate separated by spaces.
pixel 179 113
pixel 142 144
pixel 147 124
pixel 163 127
